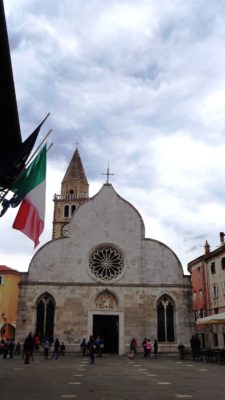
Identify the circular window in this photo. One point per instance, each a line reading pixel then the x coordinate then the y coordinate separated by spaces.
pixel 106 263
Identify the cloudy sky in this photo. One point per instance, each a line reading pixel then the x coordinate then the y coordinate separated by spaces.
pixel 139 84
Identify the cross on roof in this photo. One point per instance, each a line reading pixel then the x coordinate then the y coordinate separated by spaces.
pixel 107 174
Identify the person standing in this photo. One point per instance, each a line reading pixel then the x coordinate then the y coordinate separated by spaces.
pixel 198 346
pixel 101 347
pixel 17 349
pixel 6 349
pixel 11 348
pixel 133 346
pixel 28 348
pixel 46 348
pixel 92 348
pixel 37 342
pixel 144 346
pixel 62 349
pixel 195 346
pixel 83 347
pixel 97 344
pixel 155 348
pixel 56 349
pixel 148 347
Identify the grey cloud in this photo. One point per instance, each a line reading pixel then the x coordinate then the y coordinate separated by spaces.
pixel 122 87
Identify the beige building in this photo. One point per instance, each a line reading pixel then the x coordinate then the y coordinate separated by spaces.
pixel 100 275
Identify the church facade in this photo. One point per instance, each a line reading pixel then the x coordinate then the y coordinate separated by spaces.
pixel 101 276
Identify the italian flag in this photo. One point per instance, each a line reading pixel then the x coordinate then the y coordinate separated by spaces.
pixel 31 187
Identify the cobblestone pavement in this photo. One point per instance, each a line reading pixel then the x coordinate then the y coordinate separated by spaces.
pixel 111 378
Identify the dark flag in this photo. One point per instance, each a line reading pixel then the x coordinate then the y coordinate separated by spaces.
pixel 10 135
pixel 11 166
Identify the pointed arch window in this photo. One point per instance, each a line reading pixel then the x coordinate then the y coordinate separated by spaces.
pixel 66 211
pixel 165 319
pixel 73 208
pixel 45 313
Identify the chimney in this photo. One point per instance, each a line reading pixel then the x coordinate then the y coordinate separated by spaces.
pixel 222 238
pixel 207 247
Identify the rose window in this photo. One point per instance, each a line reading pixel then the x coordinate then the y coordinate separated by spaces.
pixel 106 263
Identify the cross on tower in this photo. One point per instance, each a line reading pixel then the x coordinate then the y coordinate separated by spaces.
pixel 107 174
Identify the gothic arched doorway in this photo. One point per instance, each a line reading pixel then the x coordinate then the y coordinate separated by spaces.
pixel 106 321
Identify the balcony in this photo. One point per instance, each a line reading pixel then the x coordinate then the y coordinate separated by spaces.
pixel 71 196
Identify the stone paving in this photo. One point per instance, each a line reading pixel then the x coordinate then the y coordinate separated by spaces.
pixel 111 378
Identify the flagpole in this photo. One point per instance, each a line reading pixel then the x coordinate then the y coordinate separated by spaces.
pixel 39 126
pixel 43 140
pixel 3 201
pixel 49 147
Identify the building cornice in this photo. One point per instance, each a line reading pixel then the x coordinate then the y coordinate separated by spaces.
pixel 92 284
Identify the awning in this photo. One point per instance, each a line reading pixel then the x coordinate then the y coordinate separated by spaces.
pixel 212 319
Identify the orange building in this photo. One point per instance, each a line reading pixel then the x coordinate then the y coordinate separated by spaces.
pixel 208 294
pixel 9 291
pixel 200 291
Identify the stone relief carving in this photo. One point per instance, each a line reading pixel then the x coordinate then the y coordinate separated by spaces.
pixel 106 301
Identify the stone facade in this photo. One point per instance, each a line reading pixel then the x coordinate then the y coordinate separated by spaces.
pixel 107 268
pixel 136 308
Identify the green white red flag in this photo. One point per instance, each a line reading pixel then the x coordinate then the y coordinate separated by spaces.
pixel 31 187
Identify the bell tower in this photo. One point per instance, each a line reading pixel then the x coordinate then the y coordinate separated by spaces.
pixel 74 192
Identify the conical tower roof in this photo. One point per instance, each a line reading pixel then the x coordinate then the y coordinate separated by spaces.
pixel 74 192
pixel 75 177
pixel 75 170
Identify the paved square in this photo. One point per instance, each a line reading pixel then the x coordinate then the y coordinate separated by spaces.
pixel 111 378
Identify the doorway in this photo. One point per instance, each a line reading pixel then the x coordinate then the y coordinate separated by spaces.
pixel 7 331
pixel 107 327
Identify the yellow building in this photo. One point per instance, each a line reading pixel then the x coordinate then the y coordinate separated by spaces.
pixel 9 291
